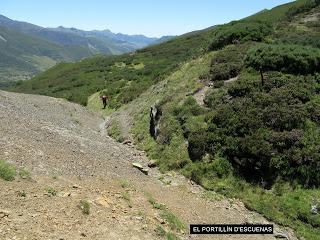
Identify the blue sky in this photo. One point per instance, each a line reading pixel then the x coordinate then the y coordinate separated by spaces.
pixel 148 17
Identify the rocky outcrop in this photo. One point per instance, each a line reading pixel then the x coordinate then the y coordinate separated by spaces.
pixel 155 115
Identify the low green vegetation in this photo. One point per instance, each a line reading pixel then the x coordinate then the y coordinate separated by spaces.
pixel 125 184
pixel 293 59
pixel 24 174
pixel 163 233
pixel 227 63
pixel 123 78
pixel 114 130
pixel 174 222
pixel 126 195
pixel 22 193
pixel 239 32
pixel 160 231
pixel 84 205
pixel 7 171
pixel 51 192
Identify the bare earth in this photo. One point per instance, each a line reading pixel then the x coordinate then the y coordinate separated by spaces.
pixel 65 147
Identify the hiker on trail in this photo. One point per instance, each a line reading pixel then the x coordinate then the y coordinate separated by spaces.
pixel 104 101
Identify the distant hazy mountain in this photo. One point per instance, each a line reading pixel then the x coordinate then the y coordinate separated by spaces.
pixel 27 49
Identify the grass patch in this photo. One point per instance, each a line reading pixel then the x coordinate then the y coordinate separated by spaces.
pixel 24 174
pixel 284 204
pixel 125 195
pixel 114 131
pixel 154 203
pixel 22 193
pixel 174 222
pixel 84 205
pixel 124 184
pixel 172 236
pixel 161 231
pixel 7 171
pixel 51 192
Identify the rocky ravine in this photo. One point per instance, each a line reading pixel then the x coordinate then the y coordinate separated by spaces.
pixel 70 158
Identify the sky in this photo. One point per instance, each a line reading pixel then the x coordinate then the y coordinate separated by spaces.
pixel 153 18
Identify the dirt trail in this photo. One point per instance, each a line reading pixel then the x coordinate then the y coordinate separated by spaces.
pixel 103 126
pixel 201 93
pixel 66 149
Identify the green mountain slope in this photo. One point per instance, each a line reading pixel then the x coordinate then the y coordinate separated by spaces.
pixel 124 76
pixel 222 124
pixel 28 49
pixel 104 42
pixel 78 83
pixel 22 55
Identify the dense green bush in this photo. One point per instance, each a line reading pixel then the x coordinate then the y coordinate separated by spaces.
pixel 300 38
pixel 7 171
pixel 239 32
pixel 266 131
pixel 227 63
pixel 286 58
pixel 309 4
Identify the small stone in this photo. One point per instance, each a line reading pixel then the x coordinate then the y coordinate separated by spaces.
pixel 160 220
pixel 140 167
pixel 137 165
pixel 139 218
pixel 75 186
pixel 64 194
pixel 103 201
pixel 127 142
pixel 280 235
pixel 314 209
pixel 145 171
pixel 152 164
pixel 4 213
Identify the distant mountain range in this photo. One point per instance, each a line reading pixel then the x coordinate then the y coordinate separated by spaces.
pixel 27 49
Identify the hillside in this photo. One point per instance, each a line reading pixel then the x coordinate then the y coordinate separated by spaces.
pixel 239 104
pixel 82 183
pixel 22 56
pixel 95 74
pixel 125 76
pixel 28 49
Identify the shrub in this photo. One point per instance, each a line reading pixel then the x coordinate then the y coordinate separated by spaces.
pixel 197 145
pixel 300 38
pixel 241 31
pixel 7 171
pixel 307 6
pixel 214 98
pixel 227 63
pixel 263 130
pixel 285 58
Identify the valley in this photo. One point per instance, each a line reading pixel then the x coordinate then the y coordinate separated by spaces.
pixel 27 49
